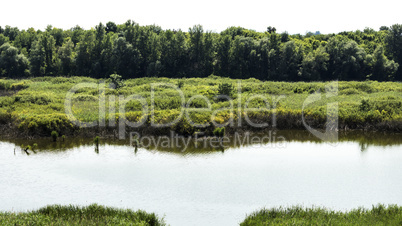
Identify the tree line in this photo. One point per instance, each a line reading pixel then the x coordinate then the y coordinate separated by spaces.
pixel 131 51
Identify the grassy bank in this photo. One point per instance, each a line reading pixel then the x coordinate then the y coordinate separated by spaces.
pixel 36 107
pixel 379 215
pixel 73 215
pixel 100 215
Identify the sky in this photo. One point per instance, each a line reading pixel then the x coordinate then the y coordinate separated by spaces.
pixel 285 15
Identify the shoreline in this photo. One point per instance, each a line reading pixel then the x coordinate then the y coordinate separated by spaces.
pixel 10 131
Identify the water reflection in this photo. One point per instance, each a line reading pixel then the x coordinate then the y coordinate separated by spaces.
pixel 191 146
pixel 216 185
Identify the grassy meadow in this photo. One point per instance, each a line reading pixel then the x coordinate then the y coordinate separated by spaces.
pixel 36 106
pixel 73 215
pixel 378 215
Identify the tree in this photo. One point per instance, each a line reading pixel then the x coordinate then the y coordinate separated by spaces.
pixel 271 29
pixel 285 37
pixel 209 54
pixel 11 32
pixel 76 34
pixel 346 59
pixel 223 55
pixel 125 58
pixel 25 39
pixel 106 53
pixel 3 39
pixel 383 69
pixel 12 64
pixel 394 46
pixel 174 53
pixel 233 32
pixel 196 49
pixel 43 56
pixel 58 35
pixel 97 65
pixel 384 28
pixel 66 57
pixel 111 27
pixel 38 59
pixel 291 60
pixel 84 53
pixel 315 65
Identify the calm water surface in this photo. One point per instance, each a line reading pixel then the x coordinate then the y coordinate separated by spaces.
pixel 205 187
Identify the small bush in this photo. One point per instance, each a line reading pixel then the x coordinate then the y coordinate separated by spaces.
pixel 4 85
pixel 85 97
pixel 219 132
pixel 297 90
pixel 34 98
pixel 364 105
pixel 180 84
pixel 226 89
pixel 96 141
pixel 54 135
pixel 44 124
pixel 6 101
pixel 5 117
pixel 117 81
pixel 19 86
pixel 350 91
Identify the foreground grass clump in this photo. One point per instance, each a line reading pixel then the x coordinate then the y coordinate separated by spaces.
pixel 73 215
pixel 378 215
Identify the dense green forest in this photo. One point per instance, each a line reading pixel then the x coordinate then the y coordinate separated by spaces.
pixel 135 51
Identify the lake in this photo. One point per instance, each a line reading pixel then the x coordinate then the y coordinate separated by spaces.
pixel 204 185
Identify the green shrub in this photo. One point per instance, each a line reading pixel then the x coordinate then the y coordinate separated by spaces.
pixel 364 105
pixel 19 85
pixel 34 98
pixel 96 141
pixel 350 91
pixel 4 85
pixel 44 124
pixel 390 107
pixel 219 132
pixel 180 84
pixel 168 103
pixel 183 127
pixel 117 81
pixel 85 97
pixel 60 80
pixel 5 117
pixel 226 89
pixel 297 90
pixel 54 135
pixel 6 101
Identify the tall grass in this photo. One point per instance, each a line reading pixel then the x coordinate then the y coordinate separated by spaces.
pixel 378 215
pixel 74 215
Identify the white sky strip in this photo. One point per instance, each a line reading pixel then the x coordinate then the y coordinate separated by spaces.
pixel 285 15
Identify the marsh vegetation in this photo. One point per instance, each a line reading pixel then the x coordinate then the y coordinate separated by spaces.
pixel 37 107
